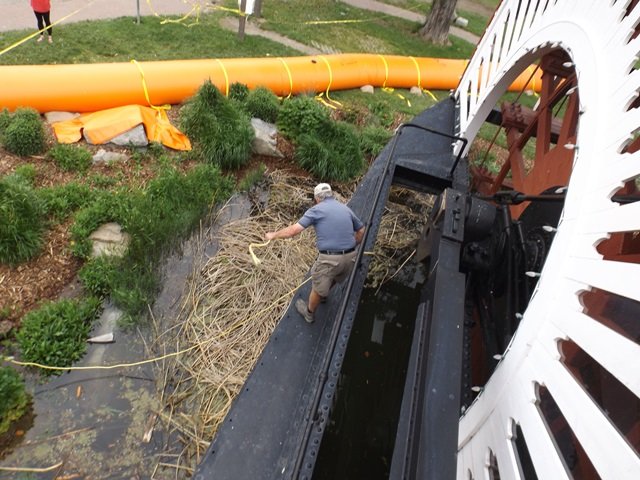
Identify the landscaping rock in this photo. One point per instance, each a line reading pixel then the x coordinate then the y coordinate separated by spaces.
pixel 5 328
pixel 265 142
pixel 136 137
pixel 53 117
pixel 367 89
pixel 461 22
pixel 109 240
pixel 102 156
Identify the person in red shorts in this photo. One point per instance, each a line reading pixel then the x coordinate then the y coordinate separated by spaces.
pixel 42 9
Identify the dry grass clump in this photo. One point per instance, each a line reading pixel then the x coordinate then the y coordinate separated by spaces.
pixel 231 310
pixel 406 213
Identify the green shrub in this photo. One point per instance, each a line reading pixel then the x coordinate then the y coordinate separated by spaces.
pixel 373 139
pixel 168 209
pixel 135 285
pixel 56 333
pixel 71 158
pixel 220 132
pixel 302 115
pixel 21 221
pixel 5 120
pixel 333 154
pixel 238 91
pixel 62 200
pixel 264 104
pixel 25 134
pixel 13 397
pixel 97 275
pixel 313 155
pixel 170 206
pixel 26 173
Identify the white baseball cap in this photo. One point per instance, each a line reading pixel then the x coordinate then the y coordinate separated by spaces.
pixel 321 188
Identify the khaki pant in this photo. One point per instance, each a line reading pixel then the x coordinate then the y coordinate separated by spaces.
pixel 331 269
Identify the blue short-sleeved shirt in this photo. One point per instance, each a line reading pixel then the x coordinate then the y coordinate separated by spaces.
pixel 335 224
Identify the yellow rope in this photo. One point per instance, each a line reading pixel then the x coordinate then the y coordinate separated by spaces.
pixel 237 11
pixel 433 97
pixel 329 22
pixel 286 67
pixel 146 90
pixel 330 82
pixel 256 260
pixel 31 470
pixel 226 77
pixel 415 62
pixel 386 71
pixel 195 8
pixel 102 367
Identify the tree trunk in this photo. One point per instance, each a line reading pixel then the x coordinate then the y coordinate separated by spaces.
pixel 436 27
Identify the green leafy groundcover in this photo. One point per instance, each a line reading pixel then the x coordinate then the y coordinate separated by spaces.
pixel 13 398
pixel 56 333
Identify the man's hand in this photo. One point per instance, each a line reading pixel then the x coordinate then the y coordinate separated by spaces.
pixel 270 235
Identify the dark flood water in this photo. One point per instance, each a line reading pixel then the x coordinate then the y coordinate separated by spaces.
pixel 359 439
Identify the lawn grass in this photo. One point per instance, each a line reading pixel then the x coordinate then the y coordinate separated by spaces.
pixel 122 40
pixel 337 27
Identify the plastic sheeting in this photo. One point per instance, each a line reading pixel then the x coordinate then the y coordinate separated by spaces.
pixel 101 127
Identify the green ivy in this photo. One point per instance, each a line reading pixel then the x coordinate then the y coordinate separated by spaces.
pixel 56 333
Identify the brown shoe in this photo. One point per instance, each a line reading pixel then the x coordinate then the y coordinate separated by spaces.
pixel 303 310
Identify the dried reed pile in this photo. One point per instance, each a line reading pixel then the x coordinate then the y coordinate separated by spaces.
pixel 406 213
pixel 230 312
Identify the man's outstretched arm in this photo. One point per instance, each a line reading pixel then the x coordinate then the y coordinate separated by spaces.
pixel 287 232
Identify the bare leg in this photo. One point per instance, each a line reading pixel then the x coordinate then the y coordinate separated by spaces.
pixel 314 300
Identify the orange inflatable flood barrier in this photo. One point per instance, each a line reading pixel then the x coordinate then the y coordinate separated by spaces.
pixel 93 87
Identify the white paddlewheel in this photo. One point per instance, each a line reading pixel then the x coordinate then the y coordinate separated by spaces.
pixel 540 411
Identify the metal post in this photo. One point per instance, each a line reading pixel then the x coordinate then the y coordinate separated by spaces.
pixel 243 19
pixel 138 12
